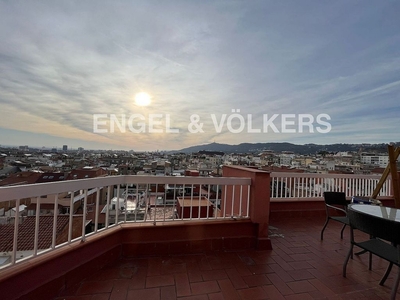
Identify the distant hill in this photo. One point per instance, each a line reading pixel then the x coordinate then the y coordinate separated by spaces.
pixel 279 147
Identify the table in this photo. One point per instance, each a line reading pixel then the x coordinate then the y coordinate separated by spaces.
pixel 370 209
pixel 383 224
pixel 384 212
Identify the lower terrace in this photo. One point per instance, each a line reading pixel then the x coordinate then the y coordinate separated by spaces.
pixel 300 266
pixel 247 235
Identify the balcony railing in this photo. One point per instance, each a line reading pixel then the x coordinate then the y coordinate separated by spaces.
pixel 64 212
pixel 61 213
pixel 311 186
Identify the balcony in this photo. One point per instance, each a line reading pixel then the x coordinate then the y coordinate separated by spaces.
pixel 125 239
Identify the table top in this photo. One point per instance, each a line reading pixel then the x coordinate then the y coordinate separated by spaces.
pixel 377 211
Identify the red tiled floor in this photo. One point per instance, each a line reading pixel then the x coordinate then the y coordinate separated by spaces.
pixel 197 297
pixel 216 296
pixel 161 280
pixel 205 287
pixel 279 284
pixel 120 289
pixel 256 280
pixel 214 274
pixel 195 276
pixel 228 290
pixel 253 293
pixel 95 287
pixel 301 286
pixel 300 266
pixel 148 294
pixel 168 293
pixel 104 296
pixel 236 280
pixel 273 292
pixel 182 285
pixel 300 274
pixel 173 266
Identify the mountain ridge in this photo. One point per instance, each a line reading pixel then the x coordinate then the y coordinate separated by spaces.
pixel 286 146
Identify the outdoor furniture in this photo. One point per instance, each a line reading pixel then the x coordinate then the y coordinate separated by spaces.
pixel 335 202
pixel 382 223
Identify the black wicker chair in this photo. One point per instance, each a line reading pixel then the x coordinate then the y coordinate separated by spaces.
pixel 335 201
pixel 385 244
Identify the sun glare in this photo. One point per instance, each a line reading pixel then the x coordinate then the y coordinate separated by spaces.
pixel 142 99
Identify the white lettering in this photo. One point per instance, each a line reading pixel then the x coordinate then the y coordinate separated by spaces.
pixel 218 127
pixel 114 120
pixel 168 125
pixel 269 122
pixel 308 123
pixel 241 120
pixel 286 122
pixel 97 122
pixel 327 124
pixel 250 128
pixel 142 125
pixel 153 122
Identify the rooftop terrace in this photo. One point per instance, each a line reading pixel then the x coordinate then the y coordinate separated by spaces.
pixel 259 240
pixel 300 266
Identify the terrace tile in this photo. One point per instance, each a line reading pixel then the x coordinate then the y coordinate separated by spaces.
pixel 300 266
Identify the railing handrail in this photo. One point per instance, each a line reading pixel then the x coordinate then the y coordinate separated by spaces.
pixel 327 175
pixel 10 193
pixel 288 186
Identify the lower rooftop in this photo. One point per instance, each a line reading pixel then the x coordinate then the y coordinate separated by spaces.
pixel 300 266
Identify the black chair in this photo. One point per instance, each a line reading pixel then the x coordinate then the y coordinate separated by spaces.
pixel 385 244
pixel 335 202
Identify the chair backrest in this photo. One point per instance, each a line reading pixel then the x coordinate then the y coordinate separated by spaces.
pixel 377 227
pixel 335 198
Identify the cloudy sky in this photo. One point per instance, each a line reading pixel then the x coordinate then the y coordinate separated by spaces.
pixel 216 71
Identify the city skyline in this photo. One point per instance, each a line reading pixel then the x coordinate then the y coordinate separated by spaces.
pixel 63 64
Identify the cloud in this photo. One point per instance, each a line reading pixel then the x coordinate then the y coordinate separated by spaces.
pixel 60 63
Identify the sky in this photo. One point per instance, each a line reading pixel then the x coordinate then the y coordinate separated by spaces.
pixel 230 72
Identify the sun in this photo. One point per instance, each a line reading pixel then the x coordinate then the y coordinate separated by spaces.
pixel 142 99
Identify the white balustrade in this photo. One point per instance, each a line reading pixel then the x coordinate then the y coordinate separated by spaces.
pixel 100 203
pixel 286 186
